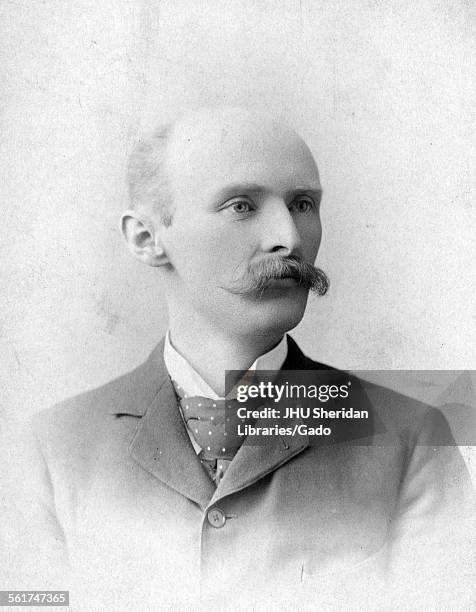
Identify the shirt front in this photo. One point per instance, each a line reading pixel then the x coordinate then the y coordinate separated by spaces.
pixel 186 378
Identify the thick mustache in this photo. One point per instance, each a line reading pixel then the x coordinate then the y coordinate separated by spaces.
pixel 260 276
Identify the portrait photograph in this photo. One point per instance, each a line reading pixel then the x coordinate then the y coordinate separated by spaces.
pixel 238 319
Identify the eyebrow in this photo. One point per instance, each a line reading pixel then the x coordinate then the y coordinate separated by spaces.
pixel 316 192
pixel 236 189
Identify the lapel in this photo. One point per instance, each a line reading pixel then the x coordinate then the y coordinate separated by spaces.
pixel 162 447
pixel 161 444
pixel 253 462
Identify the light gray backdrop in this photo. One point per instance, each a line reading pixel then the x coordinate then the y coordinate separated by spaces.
pixel 383 91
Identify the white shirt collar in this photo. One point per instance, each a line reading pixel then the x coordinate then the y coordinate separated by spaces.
pixel 192 383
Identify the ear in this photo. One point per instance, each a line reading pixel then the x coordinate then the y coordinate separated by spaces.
pixel 142 239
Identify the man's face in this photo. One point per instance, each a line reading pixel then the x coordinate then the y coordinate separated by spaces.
pixel 243 193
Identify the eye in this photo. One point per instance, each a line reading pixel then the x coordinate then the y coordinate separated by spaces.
pixel 240 207
pixel 303 204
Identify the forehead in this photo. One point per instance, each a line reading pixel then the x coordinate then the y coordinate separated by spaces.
pixel 206 156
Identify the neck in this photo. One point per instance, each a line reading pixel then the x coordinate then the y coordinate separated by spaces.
pixel 212 351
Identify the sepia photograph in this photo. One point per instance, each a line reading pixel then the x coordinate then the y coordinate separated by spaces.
pixel 238 319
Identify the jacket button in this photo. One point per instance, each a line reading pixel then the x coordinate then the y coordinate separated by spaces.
pixel 216 517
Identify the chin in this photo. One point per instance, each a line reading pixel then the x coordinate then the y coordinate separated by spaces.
pixel 276 316
pixel 280 325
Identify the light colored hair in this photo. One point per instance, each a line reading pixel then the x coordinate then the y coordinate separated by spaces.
pixel 149 187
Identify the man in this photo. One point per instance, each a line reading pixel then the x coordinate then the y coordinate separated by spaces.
pixel 144 508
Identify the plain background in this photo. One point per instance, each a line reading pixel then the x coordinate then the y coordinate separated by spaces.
pixel 383 92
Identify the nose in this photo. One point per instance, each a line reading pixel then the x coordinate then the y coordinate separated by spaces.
pixel 280 234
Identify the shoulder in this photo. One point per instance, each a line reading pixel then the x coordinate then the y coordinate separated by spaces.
pixel 411 421
pixel 404 419
pixel 91 415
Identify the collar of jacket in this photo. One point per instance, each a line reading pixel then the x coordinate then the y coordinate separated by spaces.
pixel 161 444
pixel 140 388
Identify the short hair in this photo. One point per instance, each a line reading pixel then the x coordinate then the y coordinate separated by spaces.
pixel 149 185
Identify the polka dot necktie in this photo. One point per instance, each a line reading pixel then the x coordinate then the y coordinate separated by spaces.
pixel 214 426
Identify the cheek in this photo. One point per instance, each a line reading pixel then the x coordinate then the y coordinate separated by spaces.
pixel 201 254
pixel 311 235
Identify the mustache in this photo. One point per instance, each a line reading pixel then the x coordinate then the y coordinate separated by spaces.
pixel 260 275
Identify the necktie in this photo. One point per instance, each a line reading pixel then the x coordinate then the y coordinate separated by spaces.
pixel 214 426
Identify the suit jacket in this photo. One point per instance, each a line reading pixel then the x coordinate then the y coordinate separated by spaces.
pixel 119 510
